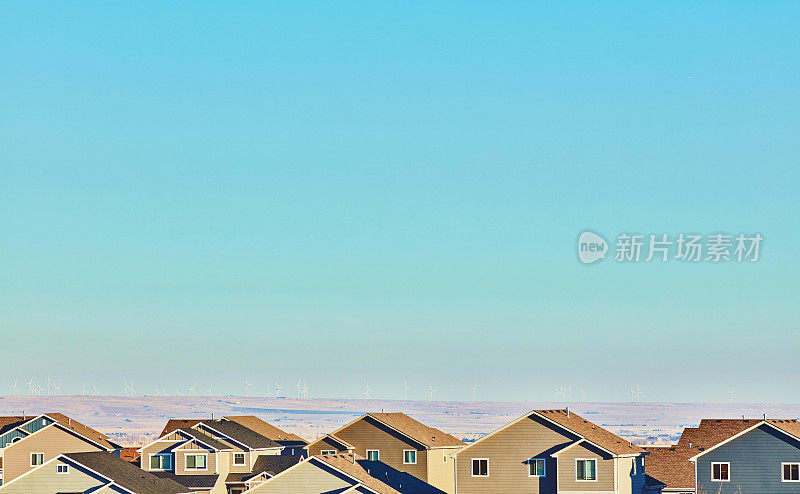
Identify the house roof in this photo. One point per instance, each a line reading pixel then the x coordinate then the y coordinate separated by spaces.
pixel 712 433
pixel 335 439
pixel 269 464
pixel 264 428
pixel 205 439
pixel 427 436
pixel 591 432
pixel 83 430
pixel 175 424
pixel 241 434
pixel 190 481
pixel 126 475
pixel 9 422
pixel 354 466
pixel 670 466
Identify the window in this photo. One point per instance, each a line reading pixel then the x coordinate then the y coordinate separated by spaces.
pixel 536 467
pixel 62 469
pixel 444 456
pixel 196 462
pixel 480 467
pixel 161 462
pixel 327 452
pixel 238 458
pixel 586 469
pixel 791 472
pixel 373 455
pixel 37 459
pixel 721 472
pixel 409 457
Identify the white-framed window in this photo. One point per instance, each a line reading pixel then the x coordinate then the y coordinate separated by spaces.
pixel 238 459
pixel 586 469
pixel 62 469
pixel 196 461
pixel 409 457
pixel 373 455
pixel 444 456
pixel 790 472
pixel 721 472
pixel 536 467
pixel 480 467
pixel 37 459
pixel 161 461
pixel 327 452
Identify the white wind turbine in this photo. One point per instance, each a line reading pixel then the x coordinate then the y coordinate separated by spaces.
pixel 133 391
pixel 432 391
pixel 158 391
pixel 127 388
pixel 405 390
pixel 305 388
pixel 246 387
pixel 278 390
pixel 56 389
pixel 178 391
pixel 14 387
pixel 269 392
pixel 84 391
pixel 299 387
pixel 191 389
pixel 367 391
pixel 210 389
pixel 474 391
pixel 94 390
pixel 638 394
pixel 731 393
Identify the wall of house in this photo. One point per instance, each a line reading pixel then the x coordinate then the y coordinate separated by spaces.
pixel 324 444
pixel 509 451
pixel 567 473
pixel 441 469
pixel 161 446
pixel 630 475
pixel 191 448
pixel 755 460
pixel 46 480
pixel 52 441
pixel 305 477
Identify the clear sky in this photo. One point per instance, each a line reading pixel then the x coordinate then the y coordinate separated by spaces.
pixel 195 192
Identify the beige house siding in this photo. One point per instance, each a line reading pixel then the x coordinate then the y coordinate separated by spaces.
pixel 368 433
pixel 161 446
pixel 51 440
pixel 441 469
pixel 324 444
pixel 45 480
pixel 567 474
pixel 302 479
pixel 180 461
pixel 508 452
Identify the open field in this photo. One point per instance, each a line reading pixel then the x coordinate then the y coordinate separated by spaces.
pixel 137 420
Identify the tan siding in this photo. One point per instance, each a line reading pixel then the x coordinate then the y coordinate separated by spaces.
pixel 367 434
pixel 180 462
pixel 51 441
pixel 304 478
pixel 567 474
pixel 508 452
pixel 45 480
pixel 324 444
pixel 441 473
pixel 157 447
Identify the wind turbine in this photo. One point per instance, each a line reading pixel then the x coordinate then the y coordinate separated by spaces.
pixel 94 390
pixel 581 395
pixel 56 389
pixel 299 387
pixel 731 393
pixel 127 387
pixel 208 391
pixel 474 391
pixel 432 391
pixel 305 388
pixel 269 393
pixel 133 391
pixel 158 392
pixel 84 391
pixel 278 389
pixel 367 391
pixel 14 387
pixel 638 394
pixel 246 387
pixel 405 390
pixel 633 395
pixel 191 389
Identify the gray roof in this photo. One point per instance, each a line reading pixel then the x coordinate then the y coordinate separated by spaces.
pixel 270 464
pixel 125 474
pixel 191 481
pixel 241 434
pixel 205 439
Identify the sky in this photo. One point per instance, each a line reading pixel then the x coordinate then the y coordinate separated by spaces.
pixel 199 193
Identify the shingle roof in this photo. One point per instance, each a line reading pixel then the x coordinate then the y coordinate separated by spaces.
pixel 354 466
pixel 592 432
pixel 175 424
pixel 205 439
pixel 191 481
pixel 126 475
pixel 265 429
pixel 83 430
pixel 9 422
pixel 427 436
pixel 269 464
pixel 670 466
pixel 241 434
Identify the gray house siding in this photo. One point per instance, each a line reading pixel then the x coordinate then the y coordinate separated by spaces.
pixel 755 464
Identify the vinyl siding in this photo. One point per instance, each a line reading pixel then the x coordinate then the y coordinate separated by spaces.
pixel 755 460
pixel 45 480
pixel 52 441
pixel 306 478
pixel 509 451
pixel 567 470
pixel 368 433
pixel 325 444
pixel 442 474
pixel 162 446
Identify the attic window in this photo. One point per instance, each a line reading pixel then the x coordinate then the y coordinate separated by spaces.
pixel 62 469
pixel 721 472
pixel 791 472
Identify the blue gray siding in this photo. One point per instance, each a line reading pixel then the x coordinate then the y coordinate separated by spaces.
pixel 755 460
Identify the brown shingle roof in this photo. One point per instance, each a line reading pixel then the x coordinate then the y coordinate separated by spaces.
pixel 205 439
pixel 264 428
pixel 352 465
pixel 8 422
pixel 240 434
pixel 670 466
pixel 83 430
pixel 175 424
pixel 125 474
pixel 711 432
pixel 592 432
pixel 427 436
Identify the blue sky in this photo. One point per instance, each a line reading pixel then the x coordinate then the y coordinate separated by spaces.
pixel 390 191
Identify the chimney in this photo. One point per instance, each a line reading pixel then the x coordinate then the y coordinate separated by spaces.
pixel 567 412
pixel 765 416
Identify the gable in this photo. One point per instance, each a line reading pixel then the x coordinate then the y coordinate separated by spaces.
pixel 46 479
pixel 532 436
pixel 194 445
pixel 762 440
pixel 309 476
pixel 369 431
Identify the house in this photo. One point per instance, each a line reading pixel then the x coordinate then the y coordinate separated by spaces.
pixel 398 441
pixel 335 473
pixel 668 469
pixel 98 472
pixel 28 442
pixel 745 455
pixel 218 456
pixel 550 451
